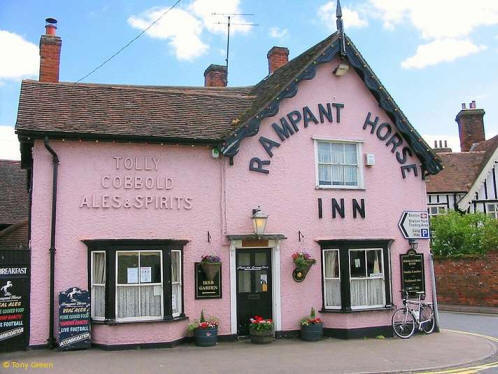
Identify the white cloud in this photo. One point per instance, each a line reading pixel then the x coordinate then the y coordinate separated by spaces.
pixel 438 19
pixel 22 59
pixel 180 28
pixel 278 33
pixel 441 50
pixel 9 145
pixel 446 24
pixel 351 18
pixel 183 28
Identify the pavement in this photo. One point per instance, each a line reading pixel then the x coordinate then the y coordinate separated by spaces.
pixel 419 353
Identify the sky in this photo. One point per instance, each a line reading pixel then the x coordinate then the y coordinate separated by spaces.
pixel 431 55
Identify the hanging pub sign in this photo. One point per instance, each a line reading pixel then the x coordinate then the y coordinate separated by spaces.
pixel 74 319
pixel 412 272
pixel 207 280
pixel 14 301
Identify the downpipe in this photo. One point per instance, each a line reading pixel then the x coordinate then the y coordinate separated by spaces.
pixel 434 295
pixel 55 166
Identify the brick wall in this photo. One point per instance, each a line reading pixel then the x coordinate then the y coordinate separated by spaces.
pixel 469 281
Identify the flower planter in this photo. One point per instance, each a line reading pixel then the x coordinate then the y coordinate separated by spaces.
pixel 261 336
pixel 300 272
pixel 210 269
pixel 206 337
pixel 312 332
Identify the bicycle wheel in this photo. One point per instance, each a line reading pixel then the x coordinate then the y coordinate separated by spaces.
pixel 427 319
pixel 403 323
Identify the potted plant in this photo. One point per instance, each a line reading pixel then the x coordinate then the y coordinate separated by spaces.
pixel 211 266
pixel 303 262
pixel 205 331
pixel 311 327
pixel 261 330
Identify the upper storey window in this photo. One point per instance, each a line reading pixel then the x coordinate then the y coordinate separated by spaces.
pixel 338 164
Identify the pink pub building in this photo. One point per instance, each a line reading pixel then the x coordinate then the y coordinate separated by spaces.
pixel 130 186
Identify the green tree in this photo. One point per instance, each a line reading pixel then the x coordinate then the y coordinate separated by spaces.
pixel 455 234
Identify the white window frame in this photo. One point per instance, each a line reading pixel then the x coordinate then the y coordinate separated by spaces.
pixel 179 300
pixel 367 278
pixel 438 206
pixel 331 278
pixel 495 213
pixel 140 318
pixel 359 165
pixel 92 284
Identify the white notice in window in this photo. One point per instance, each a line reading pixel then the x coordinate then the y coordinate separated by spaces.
pixel 145 274
pixel 132 275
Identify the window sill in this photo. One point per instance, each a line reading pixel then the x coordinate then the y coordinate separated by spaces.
pixel 349 188
pixel 114 322
pixel 347 311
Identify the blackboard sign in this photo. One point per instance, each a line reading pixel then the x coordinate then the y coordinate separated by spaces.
pixel 14 306
pixel 412 272
pixel 207 281
pixel 74 319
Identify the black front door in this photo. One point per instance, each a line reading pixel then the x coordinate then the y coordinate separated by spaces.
pixel 254 293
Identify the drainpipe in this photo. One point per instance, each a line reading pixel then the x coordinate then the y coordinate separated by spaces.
pixel 55 166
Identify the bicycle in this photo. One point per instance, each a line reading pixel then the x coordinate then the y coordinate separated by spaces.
pixel 406 318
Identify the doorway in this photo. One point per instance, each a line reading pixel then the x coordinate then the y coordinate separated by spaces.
pixel 254 286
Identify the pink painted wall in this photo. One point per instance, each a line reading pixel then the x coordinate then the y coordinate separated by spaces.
pixel 287 194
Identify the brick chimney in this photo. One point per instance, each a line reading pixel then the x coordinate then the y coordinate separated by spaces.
pixel 215 76
pixel 470 126
pixel 277 57
pixel 441 148
pixel 50 52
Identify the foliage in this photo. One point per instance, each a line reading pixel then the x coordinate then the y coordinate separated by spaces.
pixel 258 323
pixel 311 319
pixel 456 235
pixel 302 259
pixel 210 259
pixel 203 323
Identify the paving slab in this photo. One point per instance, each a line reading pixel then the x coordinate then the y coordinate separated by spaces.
pixel 421 352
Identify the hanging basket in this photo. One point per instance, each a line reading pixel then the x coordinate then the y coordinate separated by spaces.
pixel 299 273
pixel 210 269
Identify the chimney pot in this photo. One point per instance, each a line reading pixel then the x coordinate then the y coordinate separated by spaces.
pixel 440 144
pixel 277 57
pixel 215 76
pixel 445 144
pixel 435 143
pixel 50 26
pixel 473 104
pixel 464 106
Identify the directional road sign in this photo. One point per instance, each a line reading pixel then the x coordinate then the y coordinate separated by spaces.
pixel 414 225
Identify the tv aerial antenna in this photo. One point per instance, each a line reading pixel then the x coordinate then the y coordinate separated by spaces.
pixel 228 23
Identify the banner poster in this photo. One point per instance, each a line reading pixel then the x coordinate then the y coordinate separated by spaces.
pixel 74 319
pixel 14 307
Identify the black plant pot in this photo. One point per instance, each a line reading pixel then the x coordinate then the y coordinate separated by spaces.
pixel 205 337
pixel 312 332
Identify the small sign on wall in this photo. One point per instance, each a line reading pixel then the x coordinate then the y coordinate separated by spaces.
pixel 207 281
pixel 414 225
pixel 412 272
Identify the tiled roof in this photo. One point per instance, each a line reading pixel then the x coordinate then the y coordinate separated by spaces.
pixel 13 193
pixel 459 173
pixel 194 113
pixel 15 236
pixel 489 146
pixel 221 115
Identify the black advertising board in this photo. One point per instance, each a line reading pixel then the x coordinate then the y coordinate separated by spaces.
pixel 74 319
pixel 412 272
pixel 207 281
pixel 14 299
